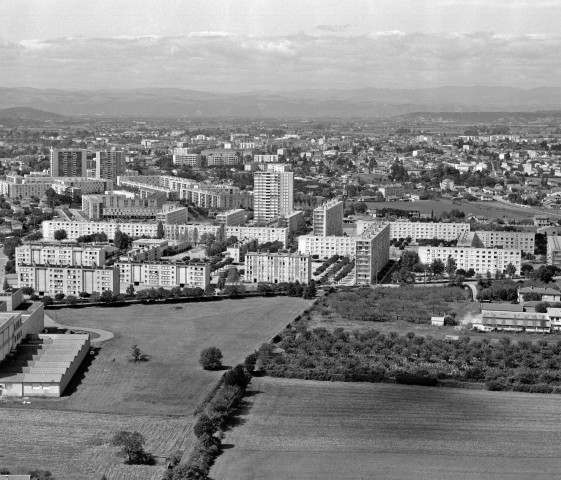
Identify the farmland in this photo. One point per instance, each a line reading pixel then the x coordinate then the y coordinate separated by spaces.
pixel 486 209
pixel 320 430
pixel 70 435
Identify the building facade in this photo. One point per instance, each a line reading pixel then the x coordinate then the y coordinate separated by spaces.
pixel 328 219
pixel 56 253
pixel 68 162
pixel 182 156
pixel 231 217
pixel 273 194
pixel 110 164
pixel 163 274
pixel 419 230
pixel 525 241
pixel 75 230
pixel 278 267
pixel 261 234
pixel 554 250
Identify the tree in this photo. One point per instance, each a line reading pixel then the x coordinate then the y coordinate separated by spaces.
pixel 71 300
pixel 10 245
pixel 95 297
pixel 107 296
pixel 310 291
pixel 60 235
pixel 132 444
pixel 204 426
pixel 27 290
pixel 408 260
pixel 130 289
pixel 160 232
pixel 541 307
pixel 233 275
pixel 6 286
pixel 450 266
pixel 526 270
pixel 47 300
pixel 437 267
pixel 59 296
pixel 210 290
pixel 121 240
pixel 510 270
pixel 211 358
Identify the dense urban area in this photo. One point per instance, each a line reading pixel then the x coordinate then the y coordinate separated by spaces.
pixel 420 250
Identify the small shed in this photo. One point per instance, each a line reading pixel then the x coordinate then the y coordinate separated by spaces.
pixel 437 321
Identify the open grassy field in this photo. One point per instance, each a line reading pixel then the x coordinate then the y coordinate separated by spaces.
pixel 70 435
pixel 485 209
pixel 319 430
pixel 172 381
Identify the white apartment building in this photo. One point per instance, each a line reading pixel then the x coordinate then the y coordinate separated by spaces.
pixel 261 234
pixel 112 205
pixel 163 274
pixel 273 194
pixel 291 220
pixel 69 280
pixel 278 267
pixel 192 232
pixel 265 158
pixel 232 217
pixel 482 260
pixel 78 229
pixel 219 157
pixel 369 249
pixel 182 156
pixel 110 164
pixel 392 191
pixel 275 167
pixel 328 219
pixel 173 215
pixel 554 250
pixel 86 185
pixel 57 253
pixel 526 241
pixel 419 230
pixel 68 162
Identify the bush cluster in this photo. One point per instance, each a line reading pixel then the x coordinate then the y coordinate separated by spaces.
pixel 325 265
pixel 209 424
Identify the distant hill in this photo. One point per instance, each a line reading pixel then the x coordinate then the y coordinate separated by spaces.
pixel 27 113
pixel 312 103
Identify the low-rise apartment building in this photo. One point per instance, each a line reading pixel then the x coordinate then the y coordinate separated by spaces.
pixel 57 253
pixel 111 205
pixel 69 280
pixel 554 250
pixel 218 157
pixel 191 232
pixel 231 217
pixel 392 191
pixel 482 260
pixel 525 241
pixel 164 274
pixel 278 267
pixel 261 234
pixel 75 229
pixel 419 230
pixel 182 156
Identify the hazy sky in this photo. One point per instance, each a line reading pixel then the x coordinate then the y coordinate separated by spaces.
pixel 244 45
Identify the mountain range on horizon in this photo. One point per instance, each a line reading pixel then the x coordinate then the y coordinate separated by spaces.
pixel 309 103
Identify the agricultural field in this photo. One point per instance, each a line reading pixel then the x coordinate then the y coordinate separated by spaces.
pixel 320 430
pixel 69 436
pixel 76 446
pixel 485 209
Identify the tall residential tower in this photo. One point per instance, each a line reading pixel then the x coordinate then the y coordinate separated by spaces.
pixel 328 219
pixel 110 164
pixel 273 195
pixel 68 162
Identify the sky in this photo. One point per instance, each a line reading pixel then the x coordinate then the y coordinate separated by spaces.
pixel 279 45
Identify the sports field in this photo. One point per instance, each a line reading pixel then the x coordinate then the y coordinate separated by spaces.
pixel 70 436
pixel 319 430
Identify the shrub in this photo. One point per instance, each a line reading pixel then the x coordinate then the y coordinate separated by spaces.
pixel 211 358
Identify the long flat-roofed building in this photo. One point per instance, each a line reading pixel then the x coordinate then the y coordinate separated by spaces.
pixel 278 267
pixel 419 230
pixel 69 280
pixel 57 253
pixel 261 234
pixel 75 229
pixel 482 260
pixel 525 241
pixel 232 217
pixel 164 274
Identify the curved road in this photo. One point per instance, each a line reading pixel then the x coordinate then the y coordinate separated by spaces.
pixel 104 335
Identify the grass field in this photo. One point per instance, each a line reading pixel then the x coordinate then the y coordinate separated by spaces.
pixel 485 209
pixel 319 430
pixel 157 397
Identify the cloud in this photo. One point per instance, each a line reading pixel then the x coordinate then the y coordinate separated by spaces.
pixel 333 28
pixel 222 61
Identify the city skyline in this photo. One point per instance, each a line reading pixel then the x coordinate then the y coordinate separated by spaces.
pixel 247 46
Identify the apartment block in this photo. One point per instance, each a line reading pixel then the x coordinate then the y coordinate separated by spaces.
pixel 392 191
pixel 328 219
pixel 482 260
pixel 291 220
pixel 56 253
pixel 65 185
pixel 261 234
pixel 16 186
pixel 163 274
pixel 191 232
pixel 526 241
pixel 554 250
pixel 419 230
pixel 78 229
pixel 69 280
pixel 68 162
pixel 273 194
pixel 220 157
pixel 231 217
pixel 112 205
pixel 278 267
pixel 110 164
pixel 266 158
pixel 182 156
pixel 370 250
pixel 173 215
